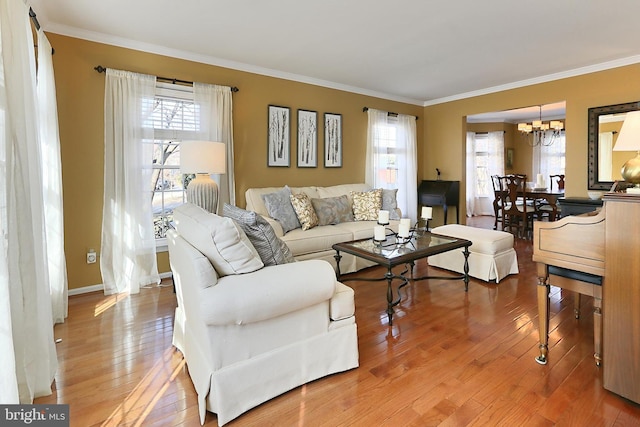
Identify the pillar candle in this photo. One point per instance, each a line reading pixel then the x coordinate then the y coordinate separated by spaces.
pixel 378 233
pixel 427 211
pixel 403 230
pixel 540 181
pixel 406 221
pixel 383 217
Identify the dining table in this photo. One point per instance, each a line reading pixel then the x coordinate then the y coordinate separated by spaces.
pixel 545 200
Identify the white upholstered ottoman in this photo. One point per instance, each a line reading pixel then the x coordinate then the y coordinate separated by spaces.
pixel 491 256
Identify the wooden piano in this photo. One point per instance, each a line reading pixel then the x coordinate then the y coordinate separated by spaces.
pixel 574 254
pixel 570 254
pixel 440 193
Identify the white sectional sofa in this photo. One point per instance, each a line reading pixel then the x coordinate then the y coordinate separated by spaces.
pixel 317 242
pixel 250 332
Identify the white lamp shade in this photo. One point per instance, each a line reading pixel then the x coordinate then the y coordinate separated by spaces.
pixel 202 157
pixel 629 138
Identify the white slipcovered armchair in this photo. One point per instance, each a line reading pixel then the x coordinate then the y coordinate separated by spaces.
pixel 249 337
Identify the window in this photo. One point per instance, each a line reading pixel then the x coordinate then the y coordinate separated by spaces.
pixel 175 118
pixel 550 159
pixel 391 157
pixel 483 158
pixel 386 153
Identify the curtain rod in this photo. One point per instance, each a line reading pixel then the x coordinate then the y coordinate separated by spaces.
pixel 389 113
pixel 101 69
pixel 32 15
pixel 487 133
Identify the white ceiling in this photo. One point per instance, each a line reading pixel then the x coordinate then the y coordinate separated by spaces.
pixel 417 51
pixel 555 111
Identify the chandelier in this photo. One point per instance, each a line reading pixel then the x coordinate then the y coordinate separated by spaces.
pixel 541 133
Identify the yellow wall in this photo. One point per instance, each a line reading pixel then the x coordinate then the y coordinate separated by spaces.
pixel 441 130
pixel 80 92
pixel 445 124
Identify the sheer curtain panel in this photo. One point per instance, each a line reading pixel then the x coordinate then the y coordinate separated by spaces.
pixel 128 256
pixel 549 159
pixel 485 157
pixel 471 174
pixel 52 180
pixel 216 124
pixel 605 156
pixel 390 158
pixel 28 359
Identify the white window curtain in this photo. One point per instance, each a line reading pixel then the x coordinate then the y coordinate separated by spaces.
pixel 471 192
pixel 52 175
pixel 605 156
pixel 496 154
pixel 28 359
pixel 128 255
pixel 549 159
pixel 485 157
pixel 216 124
pixel 391 151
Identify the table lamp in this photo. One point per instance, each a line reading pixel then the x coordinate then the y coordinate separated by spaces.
pixel 203 158
pixel 629 140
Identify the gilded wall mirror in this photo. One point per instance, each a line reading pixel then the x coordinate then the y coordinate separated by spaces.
pixel 604 124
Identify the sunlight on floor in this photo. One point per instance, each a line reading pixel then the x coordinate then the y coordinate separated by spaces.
pixel 140 402
pixel 301 415
pixel 109 302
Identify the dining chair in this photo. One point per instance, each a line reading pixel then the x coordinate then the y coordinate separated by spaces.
pixel 517 215
pixel 498 198
pixel 558 179
pixel 544 208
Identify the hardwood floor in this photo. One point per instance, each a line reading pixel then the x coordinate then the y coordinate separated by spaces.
pixel 451 359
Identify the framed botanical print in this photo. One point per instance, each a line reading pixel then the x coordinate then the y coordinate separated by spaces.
pixel 307 139
pixel 279 131
pixel 332 140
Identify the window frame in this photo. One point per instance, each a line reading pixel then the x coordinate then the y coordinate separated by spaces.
pixel 172 137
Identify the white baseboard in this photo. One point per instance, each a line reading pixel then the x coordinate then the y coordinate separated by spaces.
pixel 100 287
pixel 85 290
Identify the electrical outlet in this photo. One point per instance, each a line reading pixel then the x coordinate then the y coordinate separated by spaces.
pixel 91 256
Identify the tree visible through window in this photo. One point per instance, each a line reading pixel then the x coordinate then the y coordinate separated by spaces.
pixel 174 119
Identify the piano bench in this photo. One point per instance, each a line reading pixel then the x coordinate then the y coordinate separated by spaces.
pixel 491 255
pixel 575 275
pixel 580 283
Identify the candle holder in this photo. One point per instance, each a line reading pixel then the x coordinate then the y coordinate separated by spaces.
pixel 402 242
pixel 424 229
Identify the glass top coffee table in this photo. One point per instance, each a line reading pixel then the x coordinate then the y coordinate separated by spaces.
pixel 395 251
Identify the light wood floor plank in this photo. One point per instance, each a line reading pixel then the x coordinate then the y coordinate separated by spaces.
pixel 450 359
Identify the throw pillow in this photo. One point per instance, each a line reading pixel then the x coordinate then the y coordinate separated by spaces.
pixel 304 209
pixel 279 206
pixel 272 250
pixel 366 205
pixel 220 239
pixel 333 210
pixel 390 203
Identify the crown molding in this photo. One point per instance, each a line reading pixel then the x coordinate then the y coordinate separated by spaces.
pixel 210 60
pixel 219 62
pixel 542 79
